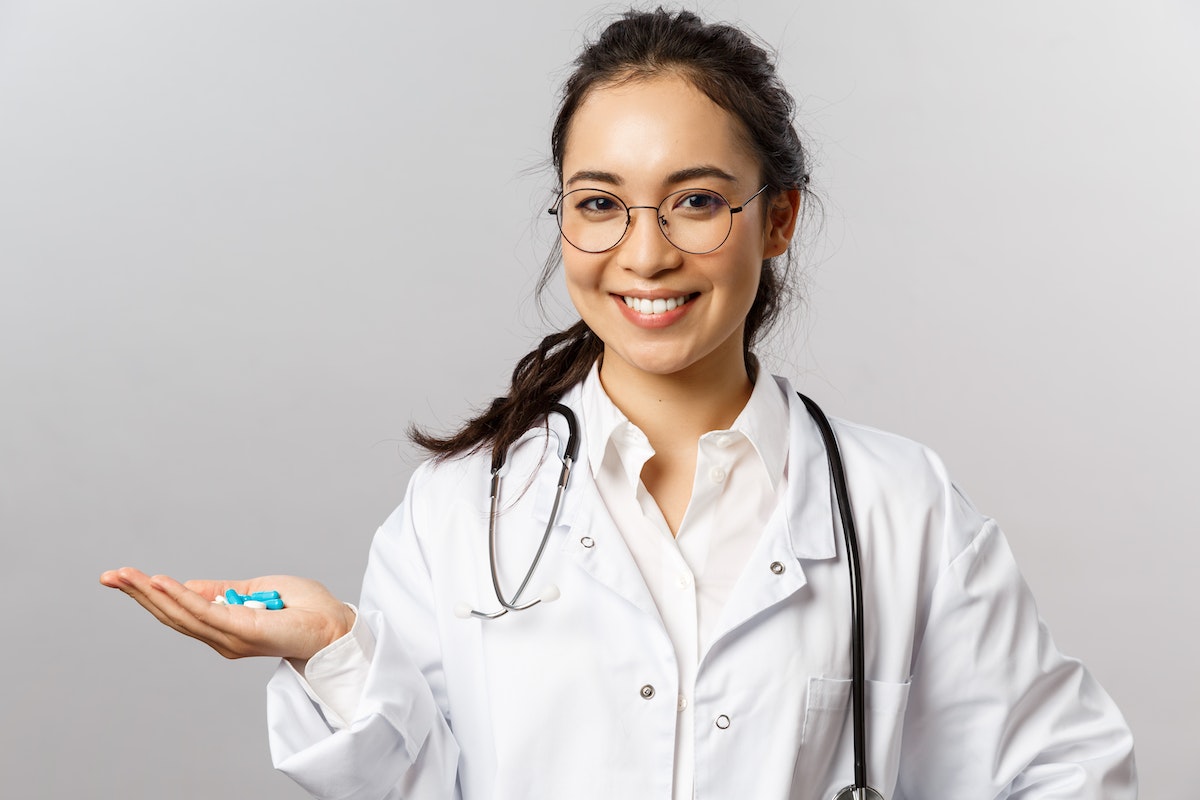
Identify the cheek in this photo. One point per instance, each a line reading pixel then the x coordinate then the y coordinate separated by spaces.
pixel 575 275
pixel 582 279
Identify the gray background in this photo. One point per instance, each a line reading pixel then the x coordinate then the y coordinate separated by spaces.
pixel 243 244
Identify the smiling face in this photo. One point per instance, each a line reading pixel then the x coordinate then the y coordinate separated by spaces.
pixel 658 310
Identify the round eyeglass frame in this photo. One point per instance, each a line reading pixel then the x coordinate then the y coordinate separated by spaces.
pixel 555 210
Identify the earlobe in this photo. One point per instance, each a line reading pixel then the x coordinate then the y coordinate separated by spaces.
pixel 781 223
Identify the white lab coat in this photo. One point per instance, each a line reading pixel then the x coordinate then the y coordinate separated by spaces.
pixel 967 695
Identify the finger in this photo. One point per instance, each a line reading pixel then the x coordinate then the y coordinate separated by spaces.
pixel 196 601
pixel 167 610
pixel 209 589
pixel 146 602
pixel 195 614
pixel 234 632
pixel 191 619
pixel 118 578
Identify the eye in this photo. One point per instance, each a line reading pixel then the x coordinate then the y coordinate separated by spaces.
pixel 698 203
pixel 593 204
pixel 598 203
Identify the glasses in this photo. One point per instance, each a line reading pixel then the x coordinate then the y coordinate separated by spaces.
pixel 696 221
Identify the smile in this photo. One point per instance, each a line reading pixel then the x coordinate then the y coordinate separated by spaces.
pixel 660 306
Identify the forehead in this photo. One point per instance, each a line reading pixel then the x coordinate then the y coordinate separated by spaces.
pixel 645 129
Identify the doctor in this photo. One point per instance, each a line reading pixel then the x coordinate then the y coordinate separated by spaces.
pixel 694 634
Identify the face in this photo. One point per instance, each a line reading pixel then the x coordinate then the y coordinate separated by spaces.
pixel 642 141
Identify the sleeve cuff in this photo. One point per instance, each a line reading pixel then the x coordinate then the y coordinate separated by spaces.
pixel 335 676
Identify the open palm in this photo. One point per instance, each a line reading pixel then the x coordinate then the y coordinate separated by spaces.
pixel 312 618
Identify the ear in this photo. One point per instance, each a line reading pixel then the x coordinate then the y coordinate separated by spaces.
pixel 781 223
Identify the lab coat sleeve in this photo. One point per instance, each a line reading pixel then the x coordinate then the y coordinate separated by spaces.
pixel 994 704
pixel 399 743
pixel 335 676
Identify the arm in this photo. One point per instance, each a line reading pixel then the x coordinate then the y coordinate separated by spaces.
pixel 995 704
pixel 398 743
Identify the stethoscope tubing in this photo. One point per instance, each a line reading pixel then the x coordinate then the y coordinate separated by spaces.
pixel 569 456
pixel 858 668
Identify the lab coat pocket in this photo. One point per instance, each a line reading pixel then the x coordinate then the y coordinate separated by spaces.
pixel 825 762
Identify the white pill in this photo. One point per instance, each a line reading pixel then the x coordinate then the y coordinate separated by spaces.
pixel 254 604
pixel 220 600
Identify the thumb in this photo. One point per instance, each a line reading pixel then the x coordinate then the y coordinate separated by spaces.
pixel 209 589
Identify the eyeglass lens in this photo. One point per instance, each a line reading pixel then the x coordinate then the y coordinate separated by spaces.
pixel 694 220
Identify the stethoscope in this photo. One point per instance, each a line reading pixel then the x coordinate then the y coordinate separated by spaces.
pixel 859 790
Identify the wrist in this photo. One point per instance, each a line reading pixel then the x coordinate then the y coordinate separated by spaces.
pixel 343 623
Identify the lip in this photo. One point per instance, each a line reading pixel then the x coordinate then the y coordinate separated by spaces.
pixel 655 321
pixel 654 294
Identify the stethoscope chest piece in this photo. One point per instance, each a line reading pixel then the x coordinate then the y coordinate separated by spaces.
pixel 858 793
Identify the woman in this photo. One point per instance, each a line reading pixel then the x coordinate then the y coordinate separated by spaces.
pixel 689 635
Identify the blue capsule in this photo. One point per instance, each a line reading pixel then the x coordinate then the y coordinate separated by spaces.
pixel 268 600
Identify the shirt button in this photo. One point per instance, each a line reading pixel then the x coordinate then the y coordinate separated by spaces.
pixel 685 581
pixel 682 702
pixel 722 722
pixel 722 440
pixel 647 691
pixel 717 474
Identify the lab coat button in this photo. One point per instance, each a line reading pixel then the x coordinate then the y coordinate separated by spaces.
pixel 777 567
pixel 722 722
pixel 647 691
pixel 587 541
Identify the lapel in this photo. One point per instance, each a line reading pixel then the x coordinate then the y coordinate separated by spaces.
pixel 801 529
pixel 587 533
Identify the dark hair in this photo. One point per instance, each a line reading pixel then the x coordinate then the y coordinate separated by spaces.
pixel 738 75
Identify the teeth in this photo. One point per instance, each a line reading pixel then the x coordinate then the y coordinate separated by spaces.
pixel 659 306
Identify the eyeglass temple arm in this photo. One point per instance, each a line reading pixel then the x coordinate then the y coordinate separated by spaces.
pixel 748 199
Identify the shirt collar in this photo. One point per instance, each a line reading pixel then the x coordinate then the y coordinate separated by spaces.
pixel 763 422
pixel 604 423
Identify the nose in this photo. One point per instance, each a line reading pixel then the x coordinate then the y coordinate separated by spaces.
pixel 644 249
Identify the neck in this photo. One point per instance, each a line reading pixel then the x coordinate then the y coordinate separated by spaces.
pixel 677 409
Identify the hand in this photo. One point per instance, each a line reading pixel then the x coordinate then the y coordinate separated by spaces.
pixel 311 619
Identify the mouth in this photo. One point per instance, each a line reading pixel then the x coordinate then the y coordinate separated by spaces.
pixel 659 305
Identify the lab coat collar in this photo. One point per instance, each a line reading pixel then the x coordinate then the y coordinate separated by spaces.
pixel 801 529
pixel 809 496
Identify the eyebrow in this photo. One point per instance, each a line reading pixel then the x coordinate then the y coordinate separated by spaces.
pixel 678 176
pixel 594 175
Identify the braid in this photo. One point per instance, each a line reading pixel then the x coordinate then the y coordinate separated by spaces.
pixel 540 378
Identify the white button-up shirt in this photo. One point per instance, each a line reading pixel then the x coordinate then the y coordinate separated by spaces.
pixel 739 479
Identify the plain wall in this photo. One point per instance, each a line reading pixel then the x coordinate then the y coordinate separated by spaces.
pixel 244 244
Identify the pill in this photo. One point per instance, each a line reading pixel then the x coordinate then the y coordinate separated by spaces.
pixel 220 600
pixel 254 604
pixel 233 598
pixel 274 604
pixel 272 595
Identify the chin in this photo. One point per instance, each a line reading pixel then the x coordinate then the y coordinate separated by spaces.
pixel 661 364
